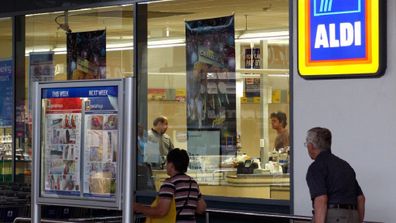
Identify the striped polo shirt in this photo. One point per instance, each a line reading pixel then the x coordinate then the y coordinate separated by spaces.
pixel 177 187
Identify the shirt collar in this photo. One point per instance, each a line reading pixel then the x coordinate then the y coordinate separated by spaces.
pixel 323 154
pixel 155 131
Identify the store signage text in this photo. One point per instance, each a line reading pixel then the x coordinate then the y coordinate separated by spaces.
pixel 98 93
pixel 349 34
pixel 77 92
pixel 60 94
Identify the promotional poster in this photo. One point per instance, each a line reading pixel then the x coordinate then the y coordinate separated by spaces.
pixel 75 165
pixel 252 58
pixel 211 96
pixel 101 144
pixel 86 55
pixel 41 68
pixel 7 93
pixel 62 150
pixel 252 87
pixel 278 56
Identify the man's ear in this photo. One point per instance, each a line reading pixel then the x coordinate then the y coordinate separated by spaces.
pixel 310 147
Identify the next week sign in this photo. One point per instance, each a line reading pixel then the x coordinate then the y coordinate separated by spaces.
pixel 341 38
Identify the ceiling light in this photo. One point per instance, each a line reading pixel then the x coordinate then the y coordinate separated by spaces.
pixel 45 13
pixel 277 37
pixel 163 43
pixel 155 1
pixel 81 10
pixel 278 75
pixel 258 36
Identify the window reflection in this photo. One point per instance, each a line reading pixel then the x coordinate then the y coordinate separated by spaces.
pixel 254 167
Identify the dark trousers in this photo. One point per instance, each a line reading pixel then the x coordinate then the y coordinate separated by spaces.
pixel 339 215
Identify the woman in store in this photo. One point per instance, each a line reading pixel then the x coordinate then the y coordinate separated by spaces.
pixel 188 201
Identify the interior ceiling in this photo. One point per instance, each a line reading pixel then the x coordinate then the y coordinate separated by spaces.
pixel 117 20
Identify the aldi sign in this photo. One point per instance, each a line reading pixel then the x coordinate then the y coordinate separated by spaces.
pixel 341 38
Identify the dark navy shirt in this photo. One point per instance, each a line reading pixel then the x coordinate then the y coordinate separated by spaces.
pixel 334 177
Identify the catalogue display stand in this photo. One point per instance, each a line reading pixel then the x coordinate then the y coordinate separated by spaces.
pixel 83 141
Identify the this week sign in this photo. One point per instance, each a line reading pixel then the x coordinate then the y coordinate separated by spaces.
pixel 341 38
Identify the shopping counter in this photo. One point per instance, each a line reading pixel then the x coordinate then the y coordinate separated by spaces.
pixel 226 182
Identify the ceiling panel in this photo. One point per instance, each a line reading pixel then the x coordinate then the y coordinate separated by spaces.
pixel 249 15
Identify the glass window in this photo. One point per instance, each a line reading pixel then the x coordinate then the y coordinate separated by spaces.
pixel 100 46
pixel 6 101
pixel 224 89
pixel 48 33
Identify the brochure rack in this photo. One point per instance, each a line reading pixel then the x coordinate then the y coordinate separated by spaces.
pixel 83 145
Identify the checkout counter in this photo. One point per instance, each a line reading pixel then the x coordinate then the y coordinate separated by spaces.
pixel 245 179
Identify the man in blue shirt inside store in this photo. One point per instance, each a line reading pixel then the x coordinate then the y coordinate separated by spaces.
pixel 335 193
pixel 158 140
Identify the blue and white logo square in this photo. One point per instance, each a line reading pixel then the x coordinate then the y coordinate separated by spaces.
pixel 335 7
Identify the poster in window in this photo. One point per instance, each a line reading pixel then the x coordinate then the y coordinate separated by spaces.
pixel 86 55
pixel 7 93
pixel 248 58
pixel 252 87
pixel 278 56
pixel 211 84
pixel 41 68
pixel 256 58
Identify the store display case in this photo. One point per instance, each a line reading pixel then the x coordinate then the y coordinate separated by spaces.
pixel 6 143
pixel 80 145
pixel 6 154
pixel 219 175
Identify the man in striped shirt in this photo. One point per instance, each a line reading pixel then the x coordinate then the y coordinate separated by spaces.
pixel 180 187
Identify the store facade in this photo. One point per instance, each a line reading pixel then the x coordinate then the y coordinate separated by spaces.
pixel 359 113
pixel 354 109
pixel 220 74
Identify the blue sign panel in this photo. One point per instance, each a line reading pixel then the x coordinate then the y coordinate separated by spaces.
pixel 337 30
pixel 97 104
pixel 334 7
pixel 6 93
pixel 80 92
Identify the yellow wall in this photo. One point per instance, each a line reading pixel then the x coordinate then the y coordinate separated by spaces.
pixel 251 127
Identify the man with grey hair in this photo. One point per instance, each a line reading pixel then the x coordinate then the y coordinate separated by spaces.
pixel 335 193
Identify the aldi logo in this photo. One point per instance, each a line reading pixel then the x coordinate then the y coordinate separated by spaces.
pixel 330 7
pixel 341 38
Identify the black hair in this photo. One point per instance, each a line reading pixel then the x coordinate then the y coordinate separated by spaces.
pixel 281 116
pixel 160 119
pixel 179 158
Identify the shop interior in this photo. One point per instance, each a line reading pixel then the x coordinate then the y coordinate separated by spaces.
pixel 261 71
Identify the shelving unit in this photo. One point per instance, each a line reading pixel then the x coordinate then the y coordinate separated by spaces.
pixel 5 153
pixel 5 143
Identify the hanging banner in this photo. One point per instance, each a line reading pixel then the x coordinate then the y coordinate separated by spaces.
pixel 41 68
pixel 211 96
pixel 86 55
pixel 6 93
